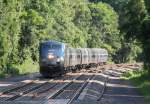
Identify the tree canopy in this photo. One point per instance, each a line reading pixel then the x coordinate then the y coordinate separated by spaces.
pixel 120 26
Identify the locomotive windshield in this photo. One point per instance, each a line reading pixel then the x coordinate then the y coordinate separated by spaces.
pixel 51 46
pixel 55 46
pixel 50 49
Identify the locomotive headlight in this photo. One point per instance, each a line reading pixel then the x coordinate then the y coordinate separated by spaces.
pixel 50 56
pixel 60 59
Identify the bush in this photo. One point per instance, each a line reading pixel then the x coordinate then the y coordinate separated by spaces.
pixel 140 79
pixel 29 66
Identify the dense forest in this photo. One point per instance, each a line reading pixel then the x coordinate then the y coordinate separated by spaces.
pixel 120 26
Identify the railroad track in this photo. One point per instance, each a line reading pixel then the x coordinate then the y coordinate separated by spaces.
pixel 18 91
pixel 33 90
pixel 30 90
pixel 66 87
pixel 69 90
pixel 95 90
pixel 103 89
pixel 42 92
pixel 78 92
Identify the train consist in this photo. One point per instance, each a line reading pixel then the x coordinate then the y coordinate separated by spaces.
pixel 57 58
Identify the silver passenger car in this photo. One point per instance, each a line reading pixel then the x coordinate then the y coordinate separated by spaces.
pixel 72 58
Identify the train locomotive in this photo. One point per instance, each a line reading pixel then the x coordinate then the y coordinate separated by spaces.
pixel 58 58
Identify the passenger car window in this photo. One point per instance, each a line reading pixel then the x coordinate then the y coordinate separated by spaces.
pixel 78 56
pixel 70 56
pixel 93 56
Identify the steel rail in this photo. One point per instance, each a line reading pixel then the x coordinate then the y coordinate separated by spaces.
pixel 25 91
pixel 103 90
pixel 16 87
pixel 57 92
pixel 51 96
pixel 46 89
pixel 78 92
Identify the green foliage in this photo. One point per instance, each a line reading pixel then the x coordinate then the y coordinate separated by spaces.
pixel 2 74
pixel 145 38
pixel 10 70
pixel 147 3
pixel 137 26
pixel 134 24
pixel 80 23
pixel 29 66
pixel 25 23
pixel 135 13
pixel 9 32
pixel 146 28
pixel 104 27
pixel 140 79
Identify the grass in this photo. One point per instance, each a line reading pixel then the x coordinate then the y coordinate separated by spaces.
pixel 2 74
pixel 28 67
pixel 15 70
pixel 140 79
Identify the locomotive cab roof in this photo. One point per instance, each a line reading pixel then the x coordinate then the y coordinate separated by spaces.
pixel 52 42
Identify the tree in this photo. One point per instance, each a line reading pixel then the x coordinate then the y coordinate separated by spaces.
pixel 80 23
pixel 9 32
pixel 104 27
pixel 147 3
pixel 145 38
